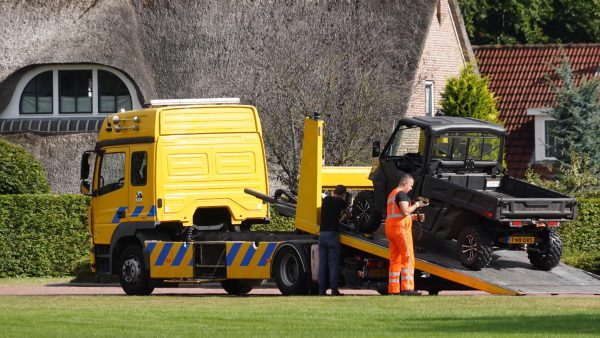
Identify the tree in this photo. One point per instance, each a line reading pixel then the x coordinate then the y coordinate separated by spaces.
pixel 468 95
pixel 531 21
pixel 576 114
pixel 20 172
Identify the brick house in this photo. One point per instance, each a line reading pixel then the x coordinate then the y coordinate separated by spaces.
pixel 67 65
pixel 518 78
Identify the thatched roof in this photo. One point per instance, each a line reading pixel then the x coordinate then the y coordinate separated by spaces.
pixel 176 49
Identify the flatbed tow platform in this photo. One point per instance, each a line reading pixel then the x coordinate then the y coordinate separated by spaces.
pixel 510 272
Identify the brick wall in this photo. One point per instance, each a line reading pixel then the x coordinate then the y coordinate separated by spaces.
pixel 442 58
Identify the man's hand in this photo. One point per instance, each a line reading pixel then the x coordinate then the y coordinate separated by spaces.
pixel 421 204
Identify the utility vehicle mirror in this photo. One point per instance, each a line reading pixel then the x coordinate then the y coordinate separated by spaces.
pixel 376 150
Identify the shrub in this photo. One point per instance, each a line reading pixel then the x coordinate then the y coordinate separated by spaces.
pixel 581 238
pixel 278 223
pixel 468 95
pixel 43 235
pixel 20 172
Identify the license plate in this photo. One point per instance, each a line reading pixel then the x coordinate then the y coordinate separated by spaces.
pixel 521 240
pixel 376 273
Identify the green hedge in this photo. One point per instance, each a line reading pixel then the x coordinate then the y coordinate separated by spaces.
pixel 43 235
pixel 581 238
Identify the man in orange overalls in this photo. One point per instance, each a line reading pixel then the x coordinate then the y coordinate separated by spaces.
pixel 398 229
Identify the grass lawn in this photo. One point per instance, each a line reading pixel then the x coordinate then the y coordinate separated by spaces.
pixel 32 281
pixel 278 316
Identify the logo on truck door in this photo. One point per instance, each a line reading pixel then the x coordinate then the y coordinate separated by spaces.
pixel 138 196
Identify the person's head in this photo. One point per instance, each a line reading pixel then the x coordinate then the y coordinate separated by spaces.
pixel 339 191
pixel 406 182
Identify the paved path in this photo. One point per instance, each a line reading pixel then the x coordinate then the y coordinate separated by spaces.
pixel 92 290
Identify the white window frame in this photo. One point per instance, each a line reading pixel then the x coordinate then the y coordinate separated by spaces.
pixel 429 98
pixel 540 115
pixel 12 110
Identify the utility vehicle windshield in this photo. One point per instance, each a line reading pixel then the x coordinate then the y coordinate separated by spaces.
pixel 406 140
pixel 461 146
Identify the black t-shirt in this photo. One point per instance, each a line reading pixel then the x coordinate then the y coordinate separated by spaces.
pixel 331 212
pixel 402 197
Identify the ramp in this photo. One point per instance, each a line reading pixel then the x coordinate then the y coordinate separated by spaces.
pixel 510 272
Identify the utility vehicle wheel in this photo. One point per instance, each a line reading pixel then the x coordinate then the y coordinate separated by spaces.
pixel 363 214
pixel 546 255
pixel 134 278
pixel 474 247
pixel 239 287
pixel 382 288
pixel 290 267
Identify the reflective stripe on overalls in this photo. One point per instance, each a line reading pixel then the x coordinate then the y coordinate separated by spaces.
pixel 398 229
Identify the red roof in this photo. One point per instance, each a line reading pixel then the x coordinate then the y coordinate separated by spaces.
pixel 517 75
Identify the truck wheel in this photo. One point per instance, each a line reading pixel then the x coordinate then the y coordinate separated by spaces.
pixel 382 288
pixel 546 255
pixel 239 287
pixel 474 247
pixel 290 268
pixel 363 214
pixel 134 278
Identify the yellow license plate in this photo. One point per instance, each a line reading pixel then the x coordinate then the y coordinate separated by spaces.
pixel 521 240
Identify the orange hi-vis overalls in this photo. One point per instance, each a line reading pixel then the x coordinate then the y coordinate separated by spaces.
pixel 398 229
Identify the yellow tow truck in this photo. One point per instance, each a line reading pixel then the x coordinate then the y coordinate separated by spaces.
pixel 176 187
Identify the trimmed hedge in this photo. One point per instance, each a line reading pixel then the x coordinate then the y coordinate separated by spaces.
pixel 43 235
pixel 20 172
pixel 581 238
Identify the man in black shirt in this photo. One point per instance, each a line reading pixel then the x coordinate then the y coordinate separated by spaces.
pixel 333 209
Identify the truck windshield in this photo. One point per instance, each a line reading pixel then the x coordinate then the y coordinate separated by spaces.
pixel 405 140
pixel 458 146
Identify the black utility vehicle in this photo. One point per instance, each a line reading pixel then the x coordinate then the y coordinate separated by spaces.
pixel 457 165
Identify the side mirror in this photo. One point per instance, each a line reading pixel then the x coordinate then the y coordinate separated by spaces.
pixel 85 173
pixel 375 152
pixel 86 187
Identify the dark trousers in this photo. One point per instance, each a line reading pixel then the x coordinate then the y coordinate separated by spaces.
pixel 329 259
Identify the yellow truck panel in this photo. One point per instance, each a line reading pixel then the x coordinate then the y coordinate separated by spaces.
pixel 171 259
pixel 250 260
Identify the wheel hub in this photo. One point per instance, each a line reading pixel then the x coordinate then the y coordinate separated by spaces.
pixel 131 271
pixel 469 247
pixel 363 210
pixel 289 270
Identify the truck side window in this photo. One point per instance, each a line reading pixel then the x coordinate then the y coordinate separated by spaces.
pixel 139 161
pixel 112 173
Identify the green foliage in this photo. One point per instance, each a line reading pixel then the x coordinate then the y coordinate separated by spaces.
pixel 583 235
pixel 531 21
pixel 576 114
pixel 468 95
pixel 20 172
pixel 42 235
pixel 577 177
pixel 278 223
pixel 581 238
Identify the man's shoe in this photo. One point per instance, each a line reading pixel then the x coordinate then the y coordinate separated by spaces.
pixel 336 293
pixel 410 293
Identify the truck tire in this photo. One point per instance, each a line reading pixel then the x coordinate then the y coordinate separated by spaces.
pixel 133 275
pixel 239 287
pixel 382 288
pixel 363 212
pixel 291 270
pixel 474 247
pixel 546 255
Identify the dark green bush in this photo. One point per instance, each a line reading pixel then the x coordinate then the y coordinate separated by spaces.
pixel 584 233
pixel 581 238
pixel 43 235
pixel 20 172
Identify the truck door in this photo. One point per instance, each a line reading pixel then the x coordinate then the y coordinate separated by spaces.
pixel 110 195
pixel 141 185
